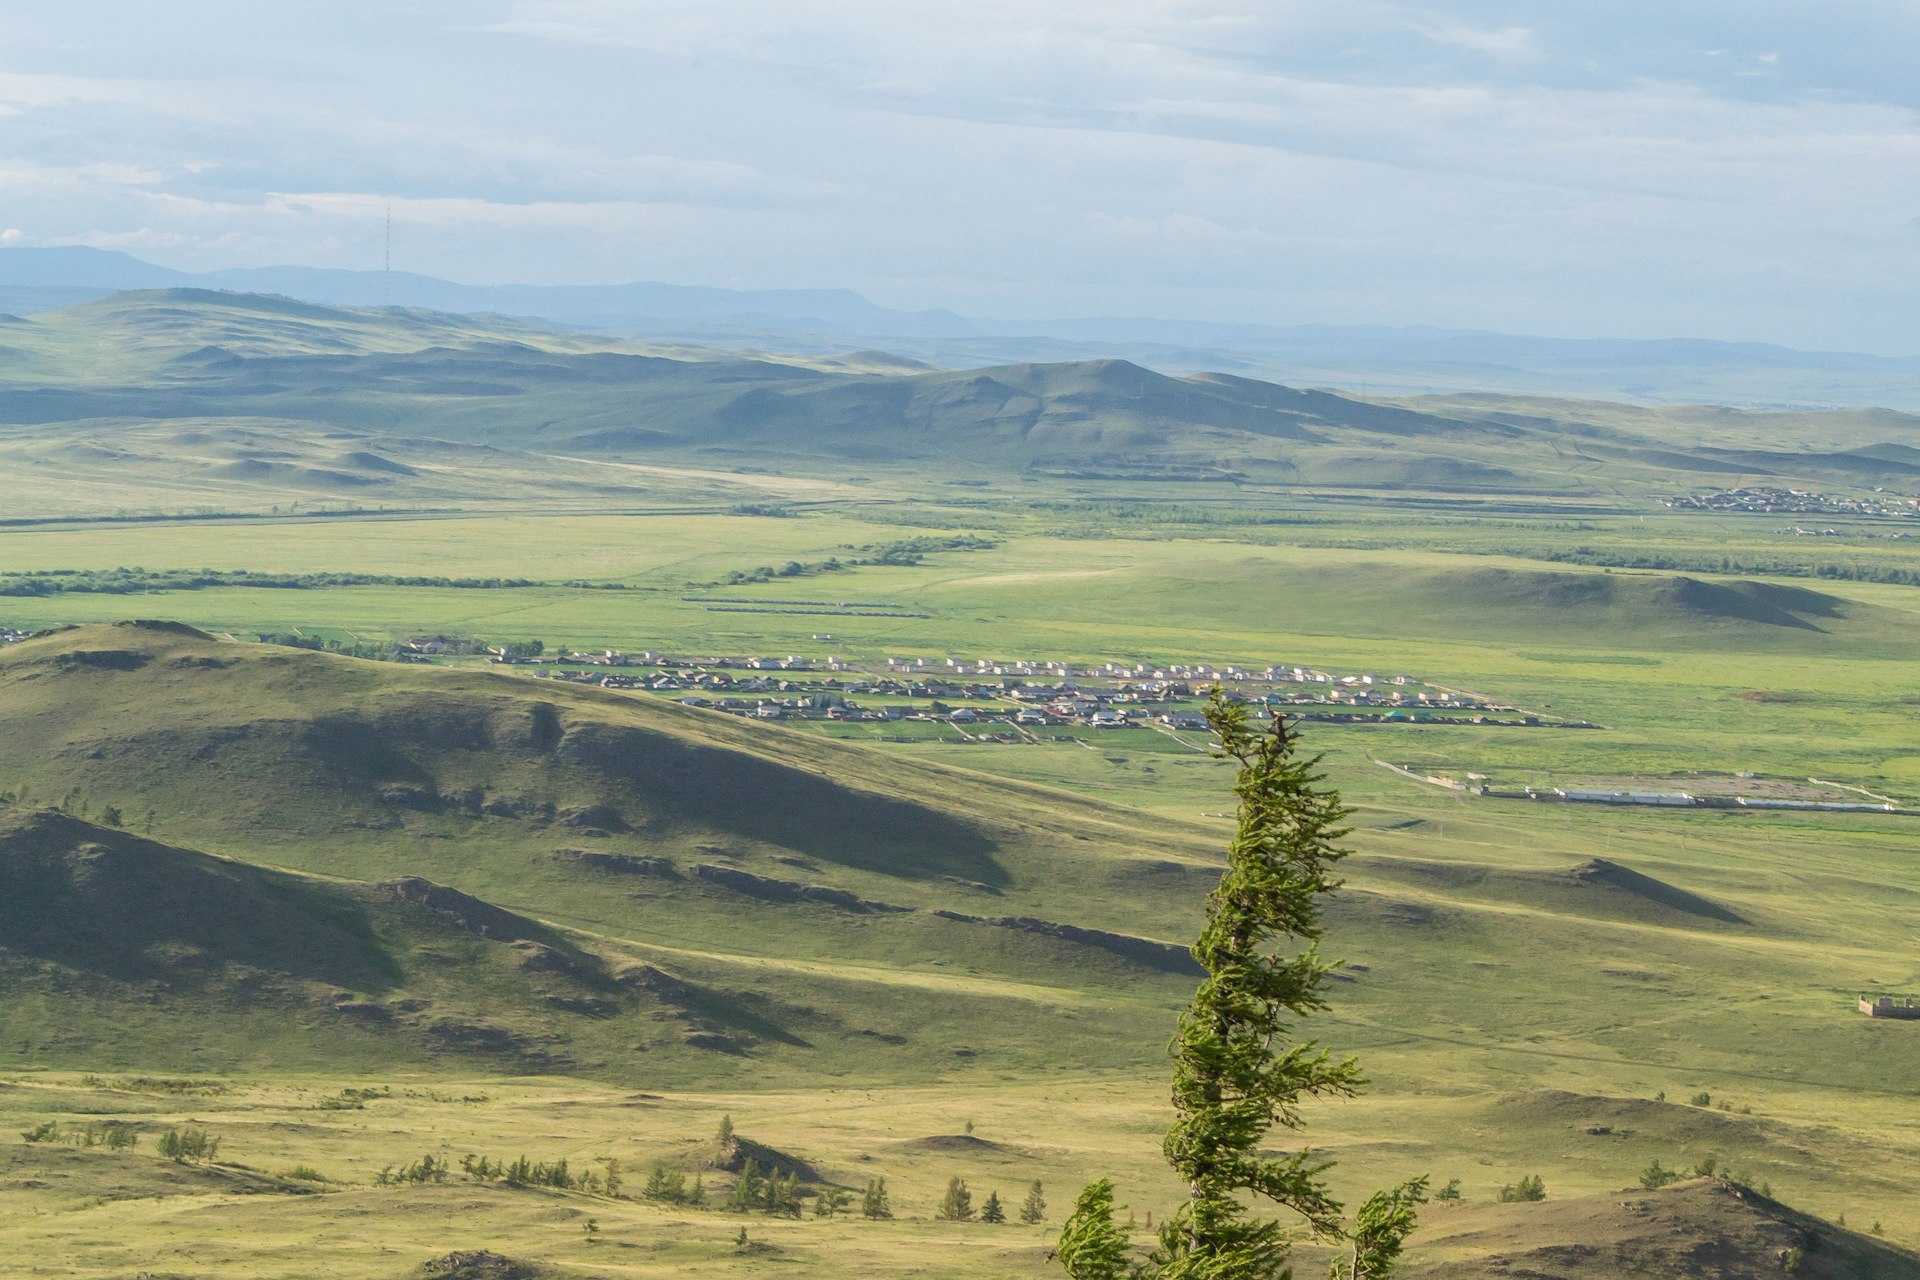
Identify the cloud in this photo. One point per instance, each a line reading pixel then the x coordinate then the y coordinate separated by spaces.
pixel 1509 44
pixel 1376 161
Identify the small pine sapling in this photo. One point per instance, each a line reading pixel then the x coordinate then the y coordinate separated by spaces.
pixel 1654 1176
pixel 873 1203
pixel 1380 1231
pixel 957 1205
pixel 1530 1188
pixel 1035 1209
pixel 991 1210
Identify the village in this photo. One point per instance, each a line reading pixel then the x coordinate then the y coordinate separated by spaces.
pixel 1762 500
pixel 1019 694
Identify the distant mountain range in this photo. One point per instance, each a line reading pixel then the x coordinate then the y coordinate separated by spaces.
pixel 1374 358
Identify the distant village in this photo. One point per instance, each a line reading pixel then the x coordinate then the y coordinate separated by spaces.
pixel 1769 501
pixel 1019 694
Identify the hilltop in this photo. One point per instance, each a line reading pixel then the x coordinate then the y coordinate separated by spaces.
pixel 1703 1227
pixel 833 322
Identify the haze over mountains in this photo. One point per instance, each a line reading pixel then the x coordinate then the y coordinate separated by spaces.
pixel 229 397
pixel 1377 358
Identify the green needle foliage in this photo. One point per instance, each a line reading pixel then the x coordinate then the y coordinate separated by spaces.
pixel 1237 1070
pixel 1380 1230
pixel 1035 1208
pixel 958 1204
pixel 1092 1246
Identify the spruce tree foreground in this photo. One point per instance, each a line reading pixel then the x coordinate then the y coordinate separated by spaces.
pixel 1237 1069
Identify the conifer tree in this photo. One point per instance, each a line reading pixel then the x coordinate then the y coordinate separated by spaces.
pixel 782 1196
pixel 1035 1209
pixel 874 1202
pixel 1380 1229
pixel 957 1206
pixel 697 1194
pixel 724 1139
pixel 1092 1246
pixel 991 1210
pixel 1238 1068
pixel 746 1192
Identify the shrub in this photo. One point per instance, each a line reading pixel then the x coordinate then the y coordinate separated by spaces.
pixel 1452 1190
pixel 47 1132
pixel 1530 1188
pixel 1653 1177
pixel 185 1146
pixel 1701 1099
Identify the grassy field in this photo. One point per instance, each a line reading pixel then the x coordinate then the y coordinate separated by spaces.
pixel 640 916
pixel 1505 994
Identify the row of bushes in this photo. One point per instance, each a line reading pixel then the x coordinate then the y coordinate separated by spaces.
pixel 187 1146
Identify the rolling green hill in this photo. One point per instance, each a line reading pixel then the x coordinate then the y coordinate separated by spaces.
pixel 299 401
pixel 1652 612
pixel 325 866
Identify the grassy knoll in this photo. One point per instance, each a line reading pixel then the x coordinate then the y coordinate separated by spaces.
pixel 1487 957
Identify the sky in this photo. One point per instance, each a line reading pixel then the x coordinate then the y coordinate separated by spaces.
pixel 1734 169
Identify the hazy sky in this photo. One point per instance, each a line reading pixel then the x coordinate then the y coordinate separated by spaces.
pixel 1728 168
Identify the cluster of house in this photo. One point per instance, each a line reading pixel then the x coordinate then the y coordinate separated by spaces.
pixel 9 636
pixel 1763 500
pixel 1021 693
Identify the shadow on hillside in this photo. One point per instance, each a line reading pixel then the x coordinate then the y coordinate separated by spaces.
pixel 743 795
pixel 106 902
pixel 1626 879
pixel 1596 888
pixel 1750 602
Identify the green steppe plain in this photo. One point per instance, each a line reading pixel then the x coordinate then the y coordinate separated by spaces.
pixel 1502 1008
pixel 1519 1009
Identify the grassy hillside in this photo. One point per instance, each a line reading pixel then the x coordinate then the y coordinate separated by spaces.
pixel 519 916
pixel 664 899
pixel 277 402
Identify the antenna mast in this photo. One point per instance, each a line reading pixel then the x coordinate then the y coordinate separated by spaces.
pixel 386 271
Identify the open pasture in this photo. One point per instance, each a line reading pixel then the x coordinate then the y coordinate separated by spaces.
pixel 537 918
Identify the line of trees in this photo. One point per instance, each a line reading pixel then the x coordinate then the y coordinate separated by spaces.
pixel 113 1135
pixel 188 1146
pixel 957 1205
